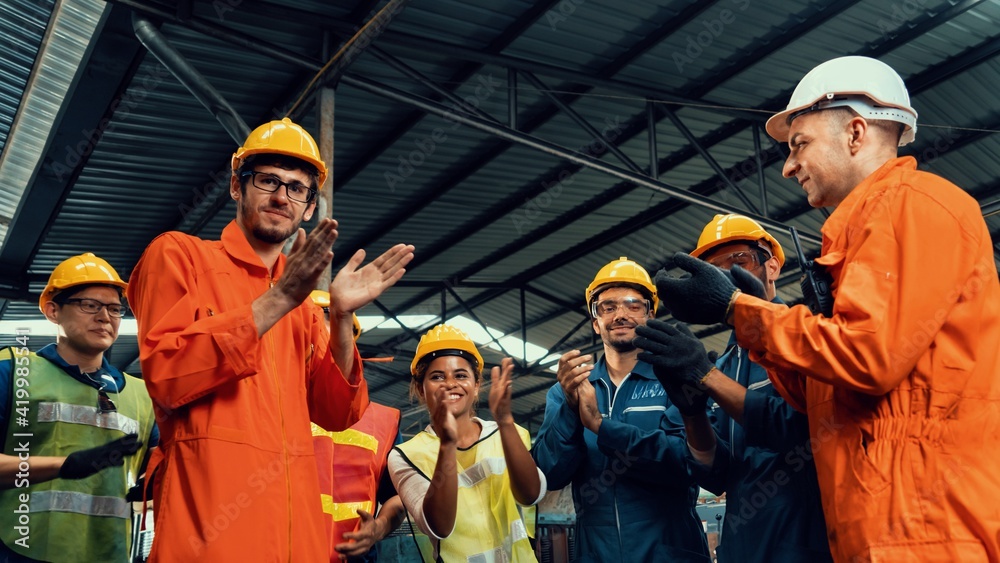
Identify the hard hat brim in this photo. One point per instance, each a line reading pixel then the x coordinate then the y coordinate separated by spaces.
pixel 779 124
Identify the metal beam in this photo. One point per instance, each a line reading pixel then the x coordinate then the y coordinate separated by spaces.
pixel 709 83
pixel 418 77
pixel 331 72
pixel 760 170
pixel 589 129
pixel 793 28
pixel 475 317
pixel 712 163
pixel 651 120
pixel 718 136
pixel 512 136
pixel 649 216
pixel 673 22
pixel 552 349
pixel 465 72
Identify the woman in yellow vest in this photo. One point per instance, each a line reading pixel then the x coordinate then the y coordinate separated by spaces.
pixel 462 478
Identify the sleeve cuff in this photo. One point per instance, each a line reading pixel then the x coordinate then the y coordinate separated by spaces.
pixel 706 458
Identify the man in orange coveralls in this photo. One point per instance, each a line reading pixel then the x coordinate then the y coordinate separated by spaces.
pixel 224 337
pixel 901 380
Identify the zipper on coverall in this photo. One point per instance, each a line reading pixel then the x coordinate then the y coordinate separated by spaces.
pixel 614 487
pixel 284 439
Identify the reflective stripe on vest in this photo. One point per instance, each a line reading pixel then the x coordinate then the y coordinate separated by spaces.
pixel 349 437
pixel 344 510
pixel 490 525
pixel 84 414
pixel 499 555
pixel 80 503
pixel 481 470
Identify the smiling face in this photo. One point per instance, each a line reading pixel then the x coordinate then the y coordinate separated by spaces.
pixel 617 329
pixel 820 157
pixel 86 333
pixel 459 380
pixel 270 217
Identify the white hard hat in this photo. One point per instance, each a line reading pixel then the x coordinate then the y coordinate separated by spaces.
pixel 868 86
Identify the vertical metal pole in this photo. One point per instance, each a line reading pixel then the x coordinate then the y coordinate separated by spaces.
pixel 760 169
pixel 512 98
pixel 324 120
pixel 444 305
pixel 524 331
pixel 654 160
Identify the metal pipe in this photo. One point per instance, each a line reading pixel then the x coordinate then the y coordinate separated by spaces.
pixel 504 132
pixel 225 34
pixel 198 85
pixel 990 209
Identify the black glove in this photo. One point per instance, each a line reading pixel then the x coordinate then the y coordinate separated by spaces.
pixel 679 361
pixel 746 282
pixel 84 463
pixel 702 297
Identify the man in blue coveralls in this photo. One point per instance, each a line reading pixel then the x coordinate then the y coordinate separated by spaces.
pixel 753 445
pixel 611 430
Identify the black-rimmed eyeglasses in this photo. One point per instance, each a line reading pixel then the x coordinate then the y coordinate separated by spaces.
pixel 297 191
pixel 93 306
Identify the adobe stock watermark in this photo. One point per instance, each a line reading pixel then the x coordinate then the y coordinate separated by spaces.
pixel 223 7
pixel 120 110
pixel 591 491
pixel 561 12
pixel 211 190
pixel 912 522
pixel 744 174
pixel 407 162
pixel 900 15
pixel 533 207
pixel 713 28
pixel 797 459
pixel 213 526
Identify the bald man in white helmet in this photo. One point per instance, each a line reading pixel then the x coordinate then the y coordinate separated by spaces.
pixel 901 380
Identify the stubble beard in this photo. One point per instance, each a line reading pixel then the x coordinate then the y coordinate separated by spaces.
pixel 272 235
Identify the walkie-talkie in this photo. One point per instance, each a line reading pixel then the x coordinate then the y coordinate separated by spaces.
pixel 816 282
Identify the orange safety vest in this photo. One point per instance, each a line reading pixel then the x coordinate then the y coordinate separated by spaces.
pixel 350 465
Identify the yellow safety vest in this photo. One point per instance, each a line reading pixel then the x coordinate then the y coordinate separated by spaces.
pixel 488 527
pixel 69 520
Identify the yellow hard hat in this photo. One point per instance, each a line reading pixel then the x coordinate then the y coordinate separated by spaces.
pixel 82 269
pixel 733 227
pixel 322 299
pixel 622 272
pixel 282 137
pixel 442 338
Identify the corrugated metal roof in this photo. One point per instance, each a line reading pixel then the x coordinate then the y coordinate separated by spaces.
pixel 481 210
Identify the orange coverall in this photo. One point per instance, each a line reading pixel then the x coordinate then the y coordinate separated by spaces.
pixel 902 383
pixel 238 479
